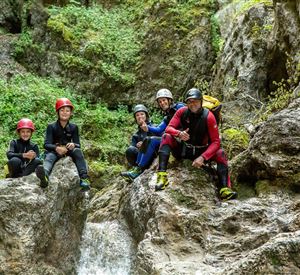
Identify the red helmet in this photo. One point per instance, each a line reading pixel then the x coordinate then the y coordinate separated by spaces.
pixel 63 102
pixel 25 123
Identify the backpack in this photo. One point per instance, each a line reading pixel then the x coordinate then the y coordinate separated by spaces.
pixel 214 105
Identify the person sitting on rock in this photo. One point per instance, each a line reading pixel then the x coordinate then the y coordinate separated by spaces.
pixel 23 155
pixel 62 139
pixel 193 134
pixel 144 143
pixel 164 99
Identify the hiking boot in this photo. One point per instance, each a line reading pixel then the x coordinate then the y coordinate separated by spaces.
pixel 227 194
pixel 40 173
pixel 133 173
pixel 84 184
pixel 162 181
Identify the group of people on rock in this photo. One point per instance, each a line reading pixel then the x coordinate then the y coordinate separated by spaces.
pixel 62 139
pixel 188 131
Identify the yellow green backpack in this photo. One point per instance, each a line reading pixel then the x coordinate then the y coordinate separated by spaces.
pixel 214 105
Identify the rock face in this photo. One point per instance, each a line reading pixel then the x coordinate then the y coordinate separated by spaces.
pixel 261 45
pixel 185 230
pixel 274 151
pixel 10 15
pixel 41 229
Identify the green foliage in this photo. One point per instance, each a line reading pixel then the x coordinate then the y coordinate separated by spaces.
pixel 99 38
pixel 217 41
pixel 35 97
pixel 282 96
pixel 235 141
pixel 246 5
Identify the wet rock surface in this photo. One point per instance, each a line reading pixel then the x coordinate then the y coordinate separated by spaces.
pixel 186 230
pixel 41 228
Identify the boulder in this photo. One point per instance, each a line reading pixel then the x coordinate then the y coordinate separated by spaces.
pixel 41 228
pixel 274 151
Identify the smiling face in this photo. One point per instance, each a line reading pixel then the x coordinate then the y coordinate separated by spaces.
pixel 25 134
pixel 64 113
pixel 164 103
pixel 194 105
pixel 140 117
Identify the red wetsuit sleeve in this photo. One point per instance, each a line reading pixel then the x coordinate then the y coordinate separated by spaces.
pixel 175 122
pixel 213 133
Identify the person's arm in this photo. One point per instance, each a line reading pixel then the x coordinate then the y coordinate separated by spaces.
pixel 75 137
pixel 175 123
pixel 214 137
pixel 11 152
pixel 134 140
pixel 158 130
pixel 49 140
pixel 36 150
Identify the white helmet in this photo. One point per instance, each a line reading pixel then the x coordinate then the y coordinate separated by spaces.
pixel 164 93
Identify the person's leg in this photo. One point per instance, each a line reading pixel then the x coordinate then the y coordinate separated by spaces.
pixel 131 155
pixel 43 171
pixel 15 167
pixel 31 166
pixel 78 158
pixel 223 175
pixel 146 159
pixel 49 161
pixel 167 145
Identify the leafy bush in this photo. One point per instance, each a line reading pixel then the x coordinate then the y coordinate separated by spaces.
pixel 97 36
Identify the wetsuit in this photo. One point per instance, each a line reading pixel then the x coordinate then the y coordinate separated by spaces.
pixel 17 165
pixel 204 141
pixel 56 135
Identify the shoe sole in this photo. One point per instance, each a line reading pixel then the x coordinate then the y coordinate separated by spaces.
pixel 161 188
pixel 40 173
pixel 231 197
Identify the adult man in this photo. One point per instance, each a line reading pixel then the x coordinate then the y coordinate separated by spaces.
pixel 193 134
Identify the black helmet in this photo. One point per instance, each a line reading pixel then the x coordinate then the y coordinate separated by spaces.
pixel 193 93
pixel 140 108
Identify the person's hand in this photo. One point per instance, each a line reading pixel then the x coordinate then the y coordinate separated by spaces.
pixel 61 150
pixel 29 155
pixel 139 144
pixel 198 162
pixel 144 126
pixel 70 146
pixel 183 135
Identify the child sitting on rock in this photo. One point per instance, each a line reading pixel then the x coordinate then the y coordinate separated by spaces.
pixel 22 154
pixel 62 139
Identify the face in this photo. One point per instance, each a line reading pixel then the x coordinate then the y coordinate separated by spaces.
pixel 140 117
pixel 25 134
pixel 164 103
pixel 64 113
pixel 194 105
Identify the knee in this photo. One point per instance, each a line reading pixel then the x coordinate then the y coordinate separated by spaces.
pixel 131 150
pixel 14 162
pixel 37 161
pixel 167 139
pixel 76 152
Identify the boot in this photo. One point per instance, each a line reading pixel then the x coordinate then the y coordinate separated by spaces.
pixel 227 193
pixel 84 184
pixel 40 173
pixel 162 181
pixel 133 173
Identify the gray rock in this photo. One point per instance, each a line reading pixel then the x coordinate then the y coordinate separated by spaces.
pixel 274 151
pixel 41 228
